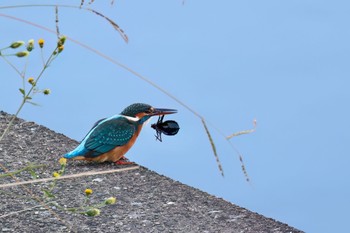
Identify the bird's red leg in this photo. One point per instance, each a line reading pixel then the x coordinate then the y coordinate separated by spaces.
pixel 123 161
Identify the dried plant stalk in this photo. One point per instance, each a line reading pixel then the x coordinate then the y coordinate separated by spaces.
pixel 213 147
pixel 115 26
pixel 57 27
pixel 243 132
pixel 90 173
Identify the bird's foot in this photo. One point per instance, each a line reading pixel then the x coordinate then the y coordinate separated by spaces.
pixel 123 161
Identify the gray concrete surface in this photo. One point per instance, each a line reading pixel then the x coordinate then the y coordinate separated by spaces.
pixel 146 201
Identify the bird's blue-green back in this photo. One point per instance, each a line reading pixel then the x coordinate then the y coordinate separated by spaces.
pixel 105 135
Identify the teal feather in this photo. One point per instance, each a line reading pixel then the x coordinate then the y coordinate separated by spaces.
pixel 109 134
pixel 104 136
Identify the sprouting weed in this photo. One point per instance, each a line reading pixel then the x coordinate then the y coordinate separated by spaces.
pixel 48 193
pixel 28 92
pixel 86 208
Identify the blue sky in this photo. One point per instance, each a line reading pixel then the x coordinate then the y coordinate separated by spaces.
pixel 283 63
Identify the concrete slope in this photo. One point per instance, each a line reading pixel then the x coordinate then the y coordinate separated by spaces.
pixel 146 201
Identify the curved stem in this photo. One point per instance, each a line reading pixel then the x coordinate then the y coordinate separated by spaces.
pixel 12 120
pixel 25 97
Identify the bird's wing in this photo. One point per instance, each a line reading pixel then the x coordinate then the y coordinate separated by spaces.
pixel 107 135
pixel 96 123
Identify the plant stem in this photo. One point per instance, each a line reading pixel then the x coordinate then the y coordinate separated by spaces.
pixel 25 97
pixel 21 170
pixel 13 67
pixel 13 118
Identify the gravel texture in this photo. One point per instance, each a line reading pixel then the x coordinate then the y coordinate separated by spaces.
pixel 146 201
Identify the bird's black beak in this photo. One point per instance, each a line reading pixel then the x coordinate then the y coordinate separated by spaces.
pixel 163 111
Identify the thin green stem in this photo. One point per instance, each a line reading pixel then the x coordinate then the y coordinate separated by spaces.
pixel 29 167
pixel 42 56
pixel 27 95
pixel 4 48
pixel 12 119
pixel 25 68
pixel 8 62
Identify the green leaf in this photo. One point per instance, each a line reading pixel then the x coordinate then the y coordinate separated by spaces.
pixel 48 194
pixel 22 91
pixel 35 104
pixel 33 174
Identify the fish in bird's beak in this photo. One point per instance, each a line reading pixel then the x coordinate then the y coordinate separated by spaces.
pixel 163 111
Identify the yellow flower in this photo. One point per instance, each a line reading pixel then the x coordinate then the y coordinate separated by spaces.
pixel 110 201
pixel 93 212
pixel 56 174
pixel 88 192
pixel 41 42
pixel 31 81
pixel 22 54
pixel 16 44
pixel 63 161
pixel 47 91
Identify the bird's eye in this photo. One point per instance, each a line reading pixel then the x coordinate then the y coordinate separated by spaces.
pixel 149 111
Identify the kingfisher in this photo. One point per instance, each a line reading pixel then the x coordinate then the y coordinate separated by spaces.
pixel 110 138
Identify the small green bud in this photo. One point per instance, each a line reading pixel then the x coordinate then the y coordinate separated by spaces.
pixel 17 44
pixel 93 212
pixel 22 54
pixel 46 91
pixel 110 201
pixel 61 41
pixel 30 45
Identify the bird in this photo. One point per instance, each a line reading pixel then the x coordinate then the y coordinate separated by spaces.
pixel 111 138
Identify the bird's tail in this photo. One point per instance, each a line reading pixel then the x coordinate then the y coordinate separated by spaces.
pixel 79 151
pixel 69 155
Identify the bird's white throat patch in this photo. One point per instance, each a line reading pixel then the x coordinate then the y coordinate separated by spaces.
pixel 135 119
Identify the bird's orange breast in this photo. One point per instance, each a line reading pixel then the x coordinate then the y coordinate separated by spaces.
pixel 116 153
